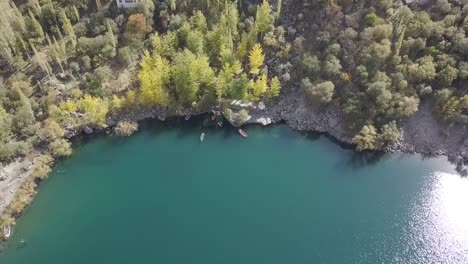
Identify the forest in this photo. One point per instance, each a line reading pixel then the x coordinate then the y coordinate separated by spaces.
pixel 69 65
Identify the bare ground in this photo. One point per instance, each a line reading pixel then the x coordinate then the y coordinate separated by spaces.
pixel 11 178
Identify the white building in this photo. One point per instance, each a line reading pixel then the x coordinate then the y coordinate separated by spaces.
pixel 126 3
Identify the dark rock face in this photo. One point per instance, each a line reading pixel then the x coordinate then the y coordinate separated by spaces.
pixel 421 133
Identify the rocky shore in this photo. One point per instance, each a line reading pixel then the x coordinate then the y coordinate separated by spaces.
pixel 421 133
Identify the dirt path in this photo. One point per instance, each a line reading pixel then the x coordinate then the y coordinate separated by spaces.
pixel 11 178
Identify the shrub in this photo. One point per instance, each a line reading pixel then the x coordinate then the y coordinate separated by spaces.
pixel 126 128
pixel 371 18
pixel 126 56
pixel 60 148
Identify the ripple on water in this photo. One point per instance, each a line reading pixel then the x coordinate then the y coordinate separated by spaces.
pixel 439 228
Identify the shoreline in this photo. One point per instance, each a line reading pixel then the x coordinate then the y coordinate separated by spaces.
pixel 417 138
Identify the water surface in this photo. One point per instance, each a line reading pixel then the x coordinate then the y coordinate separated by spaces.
pixel 277 197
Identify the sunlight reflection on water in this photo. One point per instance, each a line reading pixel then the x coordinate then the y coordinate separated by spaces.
pixel 440 221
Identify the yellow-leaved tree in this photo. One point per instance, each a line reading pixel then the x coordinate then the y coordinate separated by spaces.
pixel 260 86
pixel 154 77
pixel 94 109
pixel 275 87
pixel 256 58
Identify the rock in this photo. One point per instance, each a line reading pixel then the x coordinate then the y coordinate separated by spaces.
pixel 88 130
pixel 263 120
pixel 285 116
pixel 261 106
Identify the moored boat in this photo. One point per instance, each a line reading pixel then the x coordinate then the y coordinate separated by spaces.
pixel 243 133
pixel 202 137
pixel 187 117
pixel 7 231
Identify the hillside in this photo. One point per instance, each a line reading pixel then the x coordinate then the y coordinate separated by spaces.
pixel 385 75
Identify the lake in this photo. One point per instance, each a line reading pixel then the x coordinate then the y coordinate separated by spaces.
pixel 277 197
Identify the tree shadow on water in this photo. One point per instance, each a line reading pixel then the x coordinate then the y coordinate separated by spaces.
pixel 357 160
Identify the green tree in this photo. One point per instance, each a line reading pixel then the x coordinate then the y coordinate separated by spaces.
pixel 51 131
pixel 321 92
pixel 67 27
pixel 264 19
pixel 192 74
pixel 60 148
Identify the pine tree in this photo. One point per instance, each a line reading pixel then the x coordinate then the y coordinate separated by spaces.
pixel 67 27
pixel 256 59
pixel 278 7
pixel 36 27
pixel 260 86
pixel 76 13
pixel 275 87
pixel 264 20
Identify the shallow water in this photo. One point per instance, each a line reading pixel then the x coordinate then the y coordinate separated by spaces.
pixel 278 196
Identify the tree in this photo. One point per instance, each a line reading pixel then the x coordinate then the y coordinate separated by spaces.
pixel 264 20
pixel 371 18
pixel 332 66
pixel 366 138
pixel 42 167
pixel 256 59
pixel 67 27
pixel 309 65
pixel 321 92
pixel 166 45
pixel 380 95
pixel 60 148
pixel 97 81
pixel 51 131
pixel 191 74
pixel 275 87
pixel 260 86
pixel 147 8
pixel 389 133
pixel 126 56
pixel 422 71
pixel 137 26
pixel 34 28
pixel 408 105
pixel 94 110
pixel 154 78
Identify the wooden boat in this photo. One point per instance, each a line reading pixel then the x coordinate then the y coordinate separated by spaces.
pixel 219 120
pixel 202 137
pixel 7 231
pixel 187 117
pixel 243 133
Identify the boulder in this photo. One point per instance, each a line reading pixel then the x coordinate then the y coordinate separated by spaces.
pixel 261 106
pixel 88 130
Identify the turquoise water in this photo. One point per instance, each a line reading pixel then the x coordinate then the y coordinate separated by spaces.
pixel 276 197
